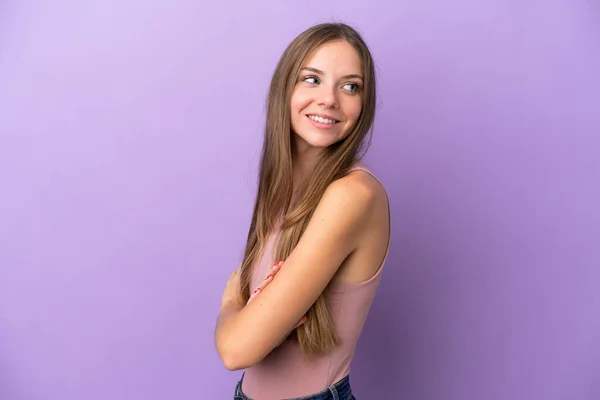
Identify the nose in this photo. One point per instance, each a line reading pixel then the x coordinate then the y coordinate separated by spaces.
pixel 328 97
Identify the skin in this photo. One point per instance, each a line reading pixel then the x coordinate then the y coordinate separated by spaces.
pixel 329 83
pixel 347 236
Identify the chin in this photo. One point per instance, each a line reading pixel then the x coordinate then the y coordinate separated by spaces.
pixel 319 141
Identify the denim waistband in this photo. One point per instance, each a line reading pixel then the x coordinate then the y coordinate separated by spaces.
pixel 340 390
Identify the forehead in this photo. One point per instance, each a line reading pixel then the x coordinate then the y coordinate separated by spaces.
pixel 336 57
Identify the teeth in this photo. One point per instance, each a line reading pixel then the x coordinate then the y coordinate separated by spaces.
pixel 322 120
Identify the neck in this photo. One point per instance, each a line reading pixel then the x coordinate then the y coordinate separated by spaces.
pixel 305 159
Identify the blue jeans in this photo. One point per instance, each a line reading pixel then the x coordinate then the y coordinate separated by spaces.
pixel 338 391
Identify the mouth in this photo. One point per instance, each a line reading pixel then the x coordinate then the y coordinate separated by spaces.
pixel 322 120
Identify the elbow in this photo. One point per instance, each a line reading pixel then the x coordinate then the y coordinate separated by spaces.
pixel 232 363
pixel 234 358
pixel 235 362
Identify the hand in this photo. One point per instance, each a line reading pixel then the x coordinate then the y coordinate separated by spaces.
pixel 231 295
pixel 266 282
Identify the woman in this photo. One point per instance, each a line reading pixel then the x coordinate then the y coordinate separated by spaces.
pixel 322 212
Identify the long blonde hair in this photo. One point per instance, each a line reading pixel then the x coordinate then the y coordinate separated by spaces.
pixel 317 335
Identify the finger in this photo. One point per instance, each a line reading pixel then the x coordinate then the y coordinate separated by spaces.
pixel 274 269
pixel 269 278
pixel 232 276
pixel 302 321
pixel 260 287
pixel 263 284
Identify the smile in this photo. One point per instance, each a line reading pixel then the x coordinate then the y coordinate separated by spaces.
pixel 322 120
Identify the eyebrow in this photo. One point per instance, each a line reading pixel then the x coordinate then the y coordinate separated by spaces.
pixel 318 71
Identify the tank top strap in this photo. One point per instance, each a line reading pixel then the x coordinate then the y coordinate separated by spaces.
pixel 360 166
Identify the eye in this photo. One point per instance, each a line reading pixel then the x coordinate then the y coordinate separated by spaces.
pixel 311 79
pixel 351 87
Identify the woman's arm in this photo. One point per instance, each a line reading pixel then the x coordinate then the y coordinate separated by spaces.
pixel 245 335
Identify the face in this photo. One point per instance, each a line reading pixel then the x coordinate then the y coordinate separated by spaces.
pixel 327 99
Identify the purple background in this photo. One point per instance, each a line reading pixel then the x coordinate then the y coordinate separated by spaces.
pixel 130 135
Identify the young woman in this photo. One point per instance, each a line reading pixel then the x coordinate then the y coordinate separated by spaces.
pixel 293 324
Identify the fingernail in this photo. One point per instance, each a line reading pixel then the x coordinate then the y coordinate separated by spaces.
pixel 257 290
pixel 268 276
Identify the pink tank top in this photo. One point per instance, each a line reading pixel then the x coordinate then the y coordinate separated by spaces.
pixel 284 373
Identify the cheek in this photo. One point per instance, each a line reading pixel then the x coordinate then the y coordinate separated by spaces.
pixel 297 104
pixel 298 101
pixel 353 109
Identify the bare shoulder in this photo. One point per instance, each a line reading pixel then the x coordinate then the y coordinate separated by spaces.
pixel 358 191
pixel 369 181
pixel 372 238
pixel 350 208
